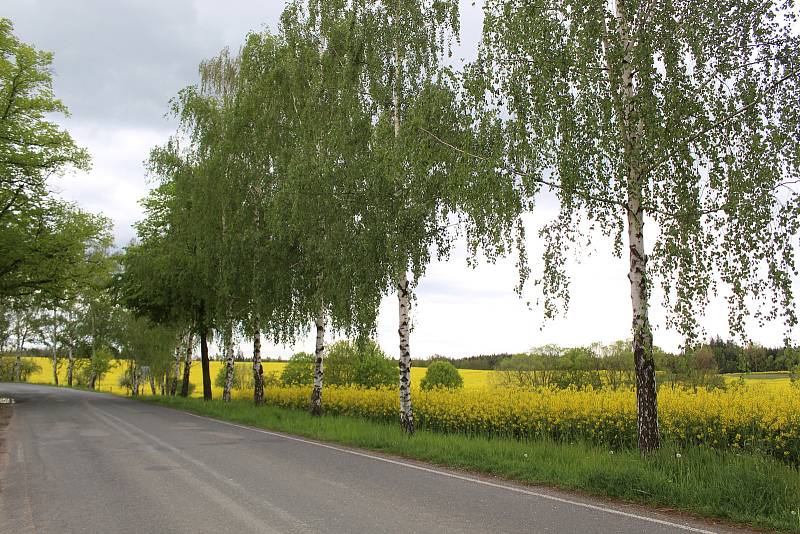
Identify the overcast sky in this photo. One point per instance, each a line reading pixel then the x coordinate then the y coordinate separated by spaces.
pixel 117 64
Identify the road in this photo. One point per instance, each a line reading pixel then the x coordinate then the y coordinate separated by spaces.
pixel 76 461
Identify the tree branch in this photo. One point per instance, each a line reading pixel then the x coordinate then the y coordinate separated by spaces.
pixel 538 179
pixel 694 137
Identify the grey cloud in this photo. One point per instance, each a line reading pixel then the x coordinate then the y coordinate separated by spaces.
pixel 120 62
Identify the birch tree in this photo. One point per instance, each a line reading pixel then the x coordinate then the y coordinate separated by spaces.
pixel 673 129
pixel 312 134
pixel 419 195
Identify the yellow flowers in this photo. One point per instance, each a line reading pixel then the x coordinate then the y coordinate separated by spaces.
pixel 748 418
pixel 753 417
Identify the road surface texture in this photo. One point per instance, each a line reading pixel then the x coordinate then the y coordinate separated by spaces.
pixel 75 461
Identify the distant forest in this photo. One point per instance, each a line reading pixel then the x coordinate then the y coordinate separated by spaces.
pixel 729 356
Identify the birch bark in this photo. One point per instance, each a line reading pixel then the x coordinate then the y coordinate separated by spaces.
pixel 646 389
pixel 18 367
pixel 319 352
pixel 404 302
pixel 226 392
pixel 403 296
pixel 55 366
pixel 134 379
pixel 258 370
pixel 55 353
pixel 70 366
pixel 176 372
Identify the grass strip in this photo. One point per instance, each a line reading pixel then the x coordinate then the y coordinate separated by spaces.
pixel 743 488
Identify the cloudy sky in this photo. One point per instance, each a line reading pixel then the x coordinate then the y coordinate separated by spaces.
pixel 118 63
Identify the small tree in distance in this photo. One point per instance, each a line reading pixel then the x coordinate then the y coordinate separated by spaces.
pixel 299 370
pixel 442 374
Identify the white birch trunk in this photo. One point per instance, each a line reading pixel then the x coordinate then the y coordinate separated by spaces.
pixel 55 351
pixel 134 379
pixel 226 392
pixel 55 366
pixel 18 368
pixel 632 130
pixel 70 366
pixel 403 300
pixel 403 331
pixel 258 369
pixel 176 372
pixel 319 354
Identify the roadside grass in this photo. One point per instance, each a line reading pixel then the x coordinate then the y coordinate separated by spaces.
pixel 741 488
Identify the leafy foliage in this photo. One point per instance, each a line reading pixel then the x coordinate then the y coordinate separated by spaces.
pixel 361 364
pixel 299 370
pixel 242 377
pixel 442 374
pixel 26 368
pixel 44 240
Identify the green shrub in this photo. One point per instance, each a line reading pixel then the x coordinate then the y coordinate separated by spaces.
pixel 361 364
pixel 27 368
pixel 442 374
pixel 271 379
pixel 98 365
pixel 242 377
pixel 299 370
pixel 794 376
pixel 125 380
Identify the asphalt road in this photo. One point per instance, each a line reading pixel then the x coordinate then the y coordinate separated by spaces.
pixel 77 461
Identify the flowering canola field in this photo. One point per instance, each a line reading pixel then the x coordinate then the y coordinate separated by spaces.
pixel 473 379
pixel 759 415
pixel 745 418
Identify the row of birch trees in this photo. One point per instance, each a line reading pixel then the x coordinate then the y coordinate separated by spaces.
pixel 324 165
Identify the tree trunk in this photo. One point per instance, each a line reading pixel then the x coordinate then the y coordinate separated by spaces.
pixel 226 391
pixel 404 303
pixel 258 369
pixel 176 373
pixel 152 383
pixel 70 366
pixel 134 378
pixel 55 367
pixel 319 352
pixel 187 365
pixel 93 376
pixel 646 389
pixel 55 349
pixel 204 364
pixel 632 132
pixel 18 368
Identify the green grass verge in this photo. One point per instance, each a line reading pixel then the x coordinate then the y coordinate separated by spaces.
pixel 750 489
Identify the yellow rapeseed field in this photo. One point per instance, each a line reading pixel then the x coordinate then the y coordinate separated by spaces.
pixel 747 417
pixel 473 379
pixel 754 415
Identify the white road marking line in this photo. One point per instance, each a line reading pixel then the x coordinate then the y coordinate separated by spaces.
pixel 598 508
